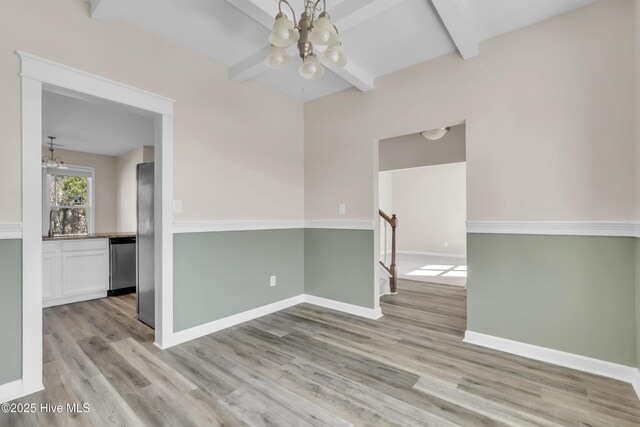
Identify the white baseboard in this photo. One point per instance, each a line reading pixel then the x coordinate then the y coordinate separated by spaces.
pixel 10 391
pixel 603 368
pixel 50 302
pixel 245 316
pixel 438 254
pixel 635 381
pixel 236 319
pixel 356 310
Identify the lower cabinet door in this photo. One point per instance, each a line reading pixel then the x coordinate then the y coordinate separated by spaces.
pixel 85 272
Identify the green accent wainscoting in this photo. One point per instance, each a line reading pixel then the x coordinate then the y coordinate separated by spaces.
pixel 339 265
pixel 10 310
pixel 569 293
pixel 220 274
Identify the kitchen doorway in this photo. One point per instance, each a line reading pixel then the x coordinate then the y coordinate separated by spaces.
pixel 38 75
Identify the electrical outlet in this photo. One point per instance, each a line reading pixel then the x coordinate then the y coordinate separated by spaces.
pixel 177 206
pixel 446 244
pixel 342 209
pixel 272 282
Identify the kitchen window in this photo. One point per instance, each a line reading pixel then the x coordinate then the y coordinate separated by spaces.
pixel 68 201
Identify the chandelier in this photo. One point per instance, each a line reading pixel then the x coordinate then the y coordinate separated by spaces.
pixel 311 31
pixel 52 161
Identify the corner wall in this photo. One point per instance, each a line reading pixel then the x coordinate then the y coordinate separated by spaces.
pixel 338 265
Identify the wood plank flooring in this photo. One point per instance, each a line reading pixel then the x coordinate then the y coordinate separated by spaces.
pixel 310 366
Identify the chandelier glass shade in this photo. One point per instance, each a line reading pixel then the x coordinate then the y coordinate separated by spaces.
pixel 51 161
pixel 310 31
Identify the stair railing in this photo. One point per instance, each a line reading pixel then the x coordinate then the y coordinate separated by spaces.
pixel 392 268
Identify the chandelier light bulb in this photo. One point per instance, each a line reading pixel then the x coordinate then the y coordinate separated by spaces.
pixel 277 58
pixel 323 33
pixel 284 33
pixel 334 56
pixel 311 69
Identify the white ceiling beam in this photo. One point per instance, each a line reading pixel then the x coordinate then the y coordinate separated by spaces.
pixel 105 11
pixel 456 17
pixel 264 13
pixel 249 67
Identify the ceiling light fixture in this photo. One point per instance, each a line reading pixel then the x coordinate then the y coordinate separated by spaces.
pixel 435 134
pixel 310 31
pixel 52 161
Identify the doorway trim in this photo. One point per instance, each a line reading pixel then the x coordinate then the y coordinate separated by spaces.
pixel 38 74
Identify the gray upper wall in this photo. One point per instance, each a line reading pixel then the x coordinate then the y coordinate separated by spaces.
pixel 413 150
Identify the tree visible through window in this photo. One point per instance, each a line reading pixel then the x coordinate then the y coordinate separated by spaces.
pixel 68 204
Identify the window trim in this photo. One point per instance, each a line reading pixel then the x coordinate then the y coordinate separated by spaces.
pixel 72 170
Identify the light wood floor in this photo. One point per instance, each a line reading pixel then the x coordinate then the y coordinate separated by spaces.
pixel 311 366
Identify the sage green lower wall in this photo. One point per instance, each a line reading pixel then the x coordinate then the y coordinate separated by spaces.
pixel 339 265
pixel 10 310
pixel 224 273
pixel 569 293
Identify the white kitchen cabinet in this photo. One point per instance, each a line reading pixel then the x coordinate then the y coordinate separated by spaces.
pixel 74 270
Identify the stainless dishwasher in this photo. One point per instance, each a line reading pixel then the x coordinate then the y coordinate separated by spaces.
pixel 122 261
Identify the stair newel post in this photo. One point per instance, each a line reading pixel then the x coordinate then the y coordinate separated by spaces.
pixel 394 267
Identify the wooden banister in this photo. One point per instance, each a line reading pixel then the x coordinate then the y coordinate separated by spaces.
pixel 393 268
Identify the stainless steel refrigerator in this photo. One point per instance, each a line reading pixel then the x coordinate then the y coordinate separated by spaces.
pixel 145 246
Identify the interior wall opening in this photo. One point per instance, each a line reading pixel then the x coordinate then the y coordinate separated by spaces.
pixel 422 192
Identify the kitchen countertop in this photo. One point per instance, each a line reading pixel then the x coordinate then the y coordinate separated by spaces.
pixel 90 236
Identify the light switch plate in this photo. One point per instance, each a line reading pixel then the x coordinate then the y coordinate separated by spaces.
pixel 177 206
pixel 342 209
pixel 272 281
